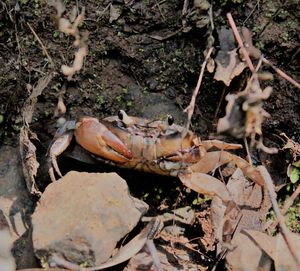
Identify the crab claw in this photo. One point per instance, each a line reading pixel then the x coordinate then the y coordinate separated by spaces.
pixel 97 139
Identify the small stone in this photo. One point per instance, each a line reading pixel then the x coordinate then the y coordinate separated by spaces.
pixel 152 83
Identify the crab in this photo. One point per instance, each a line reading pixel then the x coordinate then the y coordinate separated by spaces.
pixel 158 146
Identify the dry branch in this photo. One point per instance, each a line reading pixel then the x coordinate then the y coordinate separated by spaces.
pixel 190 108
pixel 282 74
pixel 240 42
pixel 42 45
pixel 280 218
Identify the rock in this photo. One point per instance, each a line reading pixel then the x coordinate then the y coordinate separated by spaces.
pixel 16 205
pixel 7 261
pixel 82 216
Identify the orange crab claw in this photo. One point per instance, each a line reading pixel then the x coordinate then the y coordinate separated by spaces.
pixel 97 139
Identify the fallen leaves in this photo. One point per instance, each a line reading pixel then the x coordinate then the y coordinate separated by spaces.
pixel 277 248
pixel 29 161
pixel 27 148
pixel 245 114
pixel 69 26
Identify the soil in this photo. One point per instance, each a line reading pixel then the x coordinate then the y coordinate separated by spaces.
pixel 147 64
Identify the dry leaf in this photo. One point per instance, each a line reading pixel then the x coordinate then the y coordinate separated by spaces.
pixel 60 108
pixel 29 161
pixel 77 64
pixel 253 204
pixel 228 66
pixel 210 65
pixel 246 255
pixel 130 249
pixel 245 114
pixel 248 43
pixel 278 250
pixel 229 63
pixel 58 5
pixel 114 14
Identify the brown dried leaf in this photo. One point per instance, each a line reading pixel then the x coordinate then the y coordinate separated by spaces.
pixel 248 43
pixel 210 65
pixel 58 5
pixel 37 90
pixel 129 250
pixel 229 63
pixel 277 249
pixel 247 255
pixel 245 114
pixel 292 145
pixel 207 239
pixel 77 64
pixel 114 14
pixel 29 161
pixel 60 108
pixel 252 209
pixel 205 184
pixel 228 66
pixel 27 148
pixel 65 26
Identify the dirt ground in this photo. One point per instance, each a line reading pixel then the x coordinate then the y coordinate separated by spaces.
pixel 145 62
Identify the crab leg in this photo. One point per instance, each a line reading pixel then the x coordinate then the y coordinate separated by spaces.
pixel 215 159
pixel 221 145
pixel 58 147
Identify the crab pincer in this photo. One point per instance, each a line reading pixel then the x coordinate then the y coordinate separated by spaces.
pixel 99 140
pixel 92 136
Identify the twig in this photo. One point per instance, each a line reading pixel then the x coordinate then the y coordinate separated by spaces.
pixel 185 7
pixel 103 11
pixel 240 42
pixel 219 103
pixel 211 19
pixel 252 11
pixel 284 230
pixel 190 108
pixel 281 73
pixel 160 11
pixel 289 202
pixel 248 151
pixel 42 45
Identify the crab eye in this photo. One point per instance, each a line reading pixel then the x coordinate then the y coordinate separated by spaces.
pixel 121 114
pixel 170 120
pixel 127 121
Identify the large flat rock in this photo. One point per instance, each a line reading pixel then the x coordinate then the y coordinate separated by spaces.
pixel 82 216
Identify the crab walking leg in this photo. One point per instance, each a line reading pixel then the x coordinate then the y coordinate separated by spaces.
pixel 58 147
pixel 220 145
pixel 215 159
pixel 205 184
